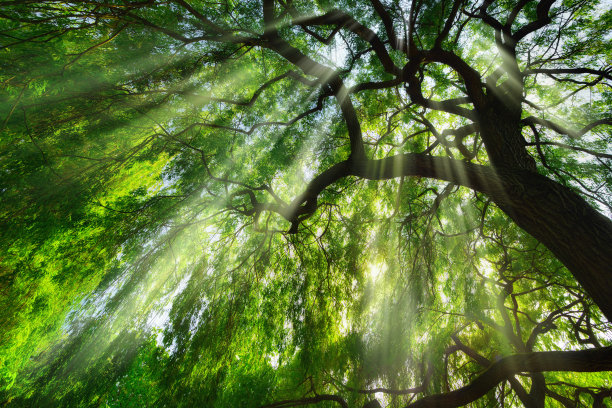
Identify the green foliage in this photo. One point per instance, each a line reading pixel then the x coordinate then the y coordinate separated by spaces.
pixel 135 270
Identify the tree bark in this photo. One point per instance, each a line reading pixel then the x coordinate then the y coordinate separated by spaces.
pixel 578 235
pixel 500 128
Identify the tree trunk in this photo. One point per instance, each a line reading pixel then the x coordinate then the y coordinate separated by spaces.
pixel 502 135
pixel 575 233
pixel 578 235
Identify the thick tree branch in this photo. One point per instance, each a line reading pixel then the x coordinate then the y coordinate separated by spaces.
pixel 387 22
pixel 484 362
pixel 542 19
pixel 449 106
pixel 450 21
pixel 607 73
pixel 470 76
pixel 474 176
pixel 592 360
pixel 566 146
pixel 533 120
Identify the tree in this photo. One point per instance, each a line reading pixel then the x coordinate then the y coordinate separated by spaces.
pixel 262 163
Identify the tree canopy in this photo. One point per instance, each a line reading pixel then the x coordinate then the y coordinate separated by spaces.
pixel 279 203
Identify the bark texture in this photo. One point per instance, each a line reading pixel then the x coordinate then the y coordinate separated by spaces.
pixel 575 233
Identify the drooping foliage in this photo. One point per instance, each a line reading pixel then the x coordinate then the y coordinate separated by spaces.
pixel 285 203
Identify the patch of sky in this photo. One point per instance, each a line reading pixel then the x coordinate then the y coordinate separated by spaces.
pixel 152 243
pixel 92 306
pixel 376 270
pixel 196 318
pixel 273 359
pixel 160 316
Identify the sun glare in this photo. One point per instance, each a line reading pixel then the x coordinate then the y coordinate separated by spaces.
pixel 376 271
